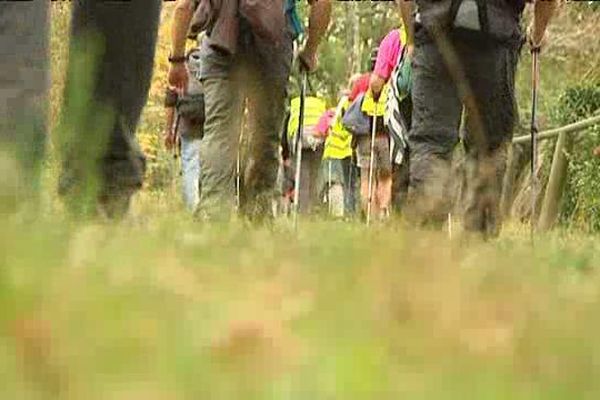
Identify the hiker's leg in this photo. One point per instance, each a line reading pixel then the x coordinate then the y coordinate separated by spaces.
pixel 315 178
pixel 346 165
pixel 121 37
pixel 363 151
pixel 400 182
pixel 218 149
pixel 401 173
pixel 266 109
pixel 190 166
pixel 364 190
pixel 304 198
pixel 24 82
pixel 489 120
pixel 332 183
pixel 384 173
pixel 433 136
pixel 384 192
pixel 267 80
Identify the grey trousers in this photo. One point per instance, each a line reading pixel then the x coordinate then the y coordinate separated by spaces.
pixel 480 80
pixel 24 81
pixel 123 36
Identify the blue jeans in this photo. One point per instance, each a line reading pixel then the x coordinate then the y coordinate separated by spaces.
pixel 190 171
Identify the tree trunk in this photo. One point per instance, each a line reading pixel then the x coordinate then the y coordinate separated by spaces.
pixel 353 38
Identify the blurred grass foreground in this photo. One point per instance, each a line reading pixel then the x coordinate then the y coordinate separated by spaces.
pixel 164 308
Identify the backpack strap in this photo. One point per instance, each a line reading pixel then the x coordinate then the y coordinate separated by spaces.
pixel 482 10
pixel 454 6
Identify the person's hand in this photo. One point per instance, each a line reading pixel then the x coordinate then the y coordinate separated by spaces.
pixel 410 49
pixel 178 77
pixel 169 139
pixel 534 39
pixel 308 59
pixel 597 152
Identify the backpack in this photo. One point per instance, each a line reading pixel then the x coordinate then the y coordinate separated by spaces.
pixel 355 120
pixel 495 19
pixel 294 20
pixel 267 18
pixel 221 20
pixel 191 105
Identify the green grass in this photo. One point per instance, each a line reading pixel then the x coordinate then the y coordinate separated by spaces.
pixel 161 307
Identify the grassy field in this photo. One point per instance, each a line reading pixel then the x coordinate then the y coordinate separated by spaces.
pixel 161 307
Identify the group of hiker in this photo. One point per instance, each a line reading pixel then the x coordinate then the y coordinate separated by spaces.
pixel 447 74
pixel 338 158
pixel 245 62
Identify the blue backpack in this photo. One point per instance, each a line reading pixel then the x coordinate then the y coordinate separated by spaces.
pixel 294 19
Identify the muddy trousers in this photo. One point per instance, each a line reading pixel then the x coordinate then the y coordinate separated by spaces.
pixel 225 100
pixel 478 78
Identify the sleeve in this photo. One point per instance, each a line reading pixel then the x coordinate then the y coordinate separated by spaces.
pixel 360 86
pixel 384 63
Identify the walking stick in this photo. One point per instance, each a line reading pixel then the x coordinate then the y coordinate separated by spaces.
pixel 535 77
pixel 177 142
pixel 238 172
pixel 175 150
pixel 329 205
pixel 371 167
pixel 298 147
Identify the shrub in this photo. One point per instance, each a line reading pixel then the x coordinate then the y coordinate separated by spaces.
pixel 581 203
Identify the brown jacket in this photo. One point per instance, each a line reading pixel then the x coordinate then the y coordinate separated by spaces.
pixel 221 20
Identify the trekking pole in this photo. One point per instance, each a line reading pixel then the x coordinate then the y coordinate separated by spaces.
pixel 535 77
pixel 371 167
pixel 298 148
pixel 329 206
pixel 175 150
pixel 238 172
pixel 176 144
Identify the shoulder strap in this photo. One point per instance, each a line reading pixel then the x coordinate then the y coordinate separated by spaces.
pixel 454 6
pixel 483 15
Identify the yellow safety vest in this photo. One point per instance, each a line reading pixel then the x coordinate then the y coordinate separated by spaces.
pixel 371 107
pixel 339 141
pixel 403 36
pixel 314 107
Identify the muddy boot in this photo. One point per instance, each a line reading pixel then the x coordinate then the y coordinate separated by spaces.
pixel 483 192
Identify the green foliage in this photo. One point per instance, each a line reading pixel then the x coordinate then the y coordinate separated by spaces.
pixel 355 29
pixel 581 207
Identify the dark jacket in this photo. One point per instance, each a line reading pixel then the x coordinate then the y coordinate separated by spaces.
pixel 221 20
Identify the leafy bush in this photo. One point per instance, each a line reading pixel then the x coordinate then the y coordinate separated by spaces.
pixel 581 204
